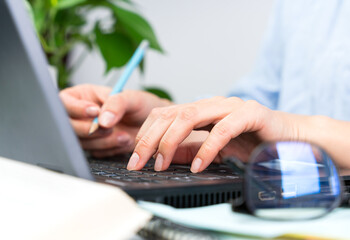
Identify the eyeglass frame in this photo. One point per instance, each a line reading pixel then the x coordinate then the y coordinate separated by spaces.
pixel 241 205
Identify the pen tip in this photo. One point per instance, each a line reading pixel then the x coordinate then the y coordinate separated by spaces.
pixel 93 128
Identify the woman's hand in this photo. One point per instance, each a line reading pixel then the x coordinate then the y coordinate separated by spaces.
pixel 235 126
pixel 230 126
pixel 120 117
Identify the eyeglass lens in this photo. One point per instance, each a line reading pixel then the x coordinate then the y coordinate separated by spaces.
pixel 291 180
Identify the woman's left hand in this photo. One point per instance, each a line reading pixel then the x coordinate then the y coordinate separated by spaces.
pixel 234 127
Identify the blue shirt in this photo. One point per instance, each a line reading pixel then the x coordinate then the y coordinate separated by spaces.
pixel 304 64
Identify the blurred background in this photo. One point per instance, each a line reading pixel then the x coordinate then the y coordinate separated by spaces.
pixel 207 44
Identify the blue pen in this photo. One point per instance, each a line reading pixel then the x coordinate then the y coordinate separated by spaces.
pixel 132 64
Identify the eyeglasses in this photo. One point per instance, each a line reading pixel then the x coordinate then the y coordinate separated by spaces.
pixel 288 181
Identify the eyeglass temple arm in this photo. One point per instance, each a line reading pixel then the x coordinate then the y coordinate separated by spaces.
pixel 237 165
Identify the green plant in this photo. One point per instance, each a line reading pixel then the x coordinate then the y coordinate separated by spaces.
pixel 62 24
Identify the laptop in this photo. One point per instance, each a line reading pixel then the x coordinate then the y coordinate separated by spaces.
pixel 35 128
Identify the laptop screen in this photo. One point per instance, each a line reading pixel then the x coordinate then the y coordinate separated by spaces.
pixel 34 126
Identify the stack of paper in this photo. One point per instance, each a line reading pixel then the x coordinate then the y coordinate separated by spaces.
pixel 40 204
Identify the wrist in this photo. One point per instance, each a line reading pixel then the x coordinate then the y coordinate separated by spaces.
pixel 317 129
pixel 301 127
pixel 313 129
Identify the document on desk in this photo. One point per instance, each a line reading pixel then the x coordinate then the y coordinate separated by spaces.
pixel 36 203
pixel 220 218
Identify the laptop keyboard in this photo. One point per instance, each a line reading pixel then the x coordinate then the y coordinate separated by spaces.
pixel 177 186
pixel 175 173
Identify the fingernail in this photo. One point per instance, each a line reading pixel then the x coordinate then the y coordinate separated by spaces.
pixel 159 162
pixel 196 164
pixel 107 118
pixel 92 111
pixel 133 161
pixel 123 139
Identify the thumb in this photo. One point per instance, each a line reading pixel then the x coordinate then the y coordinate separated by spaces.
pixel 136 104
pixel 113 110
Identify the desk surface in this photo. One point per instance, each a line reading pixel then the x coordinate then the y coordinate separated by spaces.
pixel 220 218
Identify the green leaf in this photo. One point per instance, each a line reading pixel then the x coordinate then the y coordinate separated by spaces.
pixel 125 1
pixel 136 26
pixel 62 4
pixel 69 18
pixel 39 12
pixel 159 92
pixel 115 47
pixel 87 41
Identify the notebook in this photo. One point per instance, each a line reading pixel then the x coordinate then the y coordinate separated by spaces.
pixel 35 128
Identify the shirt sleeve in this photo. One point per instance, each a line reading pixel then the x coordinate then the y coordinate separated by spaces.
pixel 263 82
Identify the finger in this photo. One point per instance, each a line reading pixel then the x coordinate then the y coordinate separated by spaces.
pixel 153 116
pixel 217 139
pixel 167 114
pixel 148 143
pixel 245 119
pixel 185 120
pixel 78 108
pixel 82 127
pixel 92 93
pixel 189 117
pixel 115 140
pixel 160 122
pixel 116 106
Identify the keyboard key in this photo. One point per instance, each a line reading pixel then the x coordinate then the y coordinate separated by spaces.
pixel 147 176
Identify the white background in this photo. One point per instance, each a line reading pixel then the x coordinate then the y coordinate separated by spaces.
pixel 209 44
